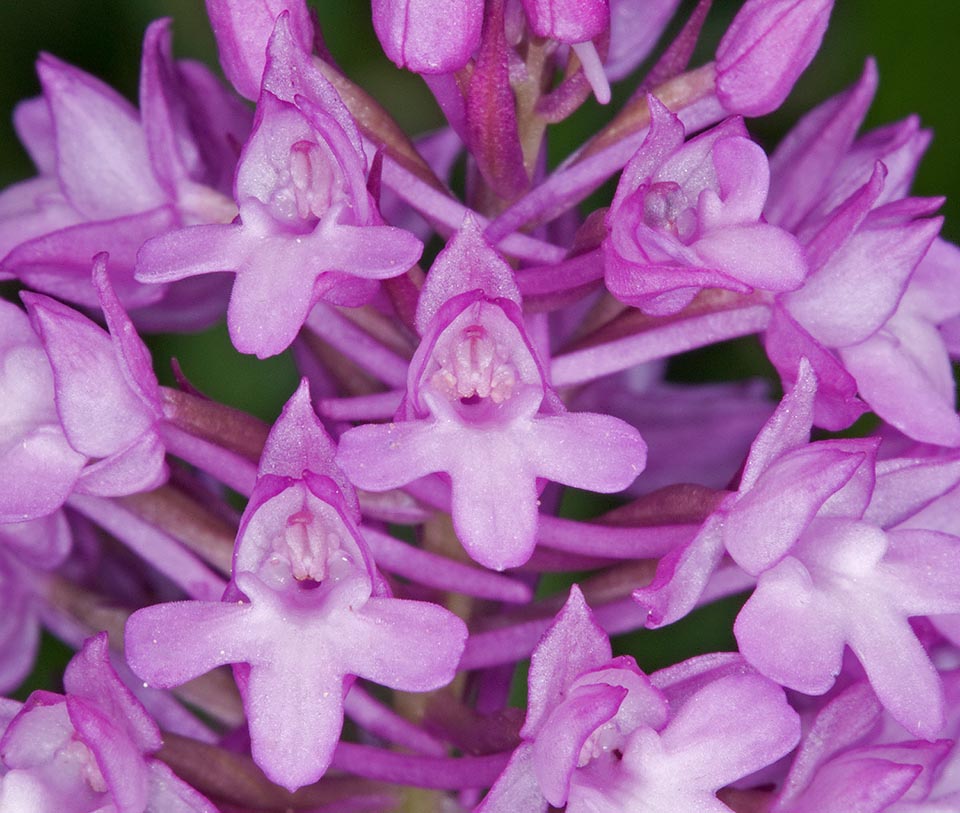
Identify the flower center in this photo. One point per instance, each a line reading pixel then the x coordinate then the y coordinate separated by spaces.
pixel 297 538
pixel 313 178
pixel 606 741
pixel 308 546
pixel 474 366
pixel 79 755
pixel 667 209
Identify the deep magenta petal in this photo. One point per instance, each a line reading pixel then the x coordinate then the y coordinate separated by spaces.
pixel 803 162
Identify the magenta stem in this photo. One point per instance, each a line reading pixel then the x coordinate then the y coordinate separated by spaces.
pixel 611 541
pixel 153 546
pixel 449 773
pixel 676 336
pixel 377 407
pixel 442 573
pixel 383 722
pixel 229 468
pixel 358 345
pixel 439 207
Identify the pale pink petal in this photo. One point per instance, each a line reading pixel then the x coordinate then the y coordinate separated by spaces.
pixel 760 255
pixel 572 645
pixel 898 390
pixel 584 450
pixel 102 159
pixel 413 646
pixel 787 633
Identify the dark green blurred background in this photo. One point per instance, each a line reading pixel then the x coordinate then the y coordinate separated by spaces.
pixel 913 42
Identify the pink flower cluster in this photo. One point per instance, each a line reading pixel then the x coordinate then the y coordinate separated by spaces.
pixel 332 612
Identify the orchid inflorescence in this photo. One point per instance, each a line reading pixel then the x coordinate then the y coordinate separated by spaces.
pixel 379 569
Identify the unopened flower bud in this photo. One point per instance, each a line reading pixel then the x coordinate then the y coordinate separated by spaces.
pixel 767 47
pixel 425 36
